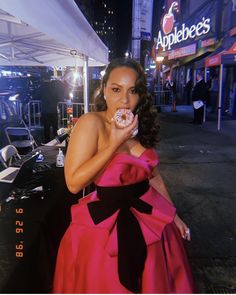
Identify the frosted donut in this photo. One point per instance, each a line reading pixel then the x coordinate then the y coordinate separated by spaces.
pixel 123 118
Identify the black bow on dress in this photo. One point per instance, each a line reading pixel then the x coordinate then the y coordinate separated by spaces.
pixel 132 249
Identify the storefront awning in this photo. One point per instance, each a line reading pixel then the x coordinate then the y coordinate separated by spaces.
pixel 200 55
pixel 229 57
pixel 225 56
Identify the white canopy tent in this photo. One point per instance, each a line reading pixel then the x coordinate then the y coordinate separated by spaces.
pixel 48 33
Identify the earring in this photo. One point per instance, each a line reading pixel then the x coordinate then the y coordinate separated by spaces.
pixel 105 97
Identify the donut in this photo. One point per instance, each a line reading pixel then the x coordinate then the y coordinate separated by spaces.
pixel 123 117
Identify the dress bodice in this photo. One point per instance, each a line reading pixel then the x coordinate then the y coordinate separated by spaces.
pixel 124 169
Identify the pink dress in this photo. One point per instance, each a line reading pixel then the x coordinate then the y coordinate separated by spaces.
pixel 87 260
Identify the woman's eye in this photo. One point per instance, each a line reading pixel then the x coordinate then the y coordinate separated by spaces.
pixel 115 89
pixel 133 91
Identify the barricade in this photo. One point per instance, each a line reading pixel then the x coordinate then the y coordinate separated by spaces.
pixel 34 112
pixel 69 112
pixel 10 111
pixel 162 98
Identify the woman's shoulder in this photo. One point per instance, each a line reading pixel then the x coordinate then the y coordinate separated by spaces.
pixel 88 125
pixel 91 118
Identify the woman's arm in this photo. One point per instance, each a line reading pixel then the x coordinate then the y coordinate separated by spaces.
pixel 158 184
pixel 83 159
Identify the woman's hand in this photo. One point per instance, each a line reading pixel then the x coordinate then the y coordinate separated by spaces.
pixel 184 230
pixel 120 135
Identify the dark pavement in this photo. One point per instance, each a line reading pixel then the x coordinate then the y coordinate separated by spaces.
pixel 198 165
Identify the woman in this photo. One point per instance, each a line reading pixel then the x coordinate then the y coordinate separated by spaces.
pixel 125 237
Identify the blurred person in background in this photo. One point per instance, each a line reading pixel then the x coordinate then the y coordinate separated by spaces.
pixel 50 92
pixel 188 90
pixel 170 85
pixel 199 97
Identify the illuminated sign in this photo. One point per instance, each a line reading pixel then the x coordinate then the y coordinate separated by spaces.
pixel 183 51
pixel 174 36
pixel 146 19
pixel 168 19
pixel 213 61
pixel 225 56
pixel 232 32
pixel 208 42
pixel 232 48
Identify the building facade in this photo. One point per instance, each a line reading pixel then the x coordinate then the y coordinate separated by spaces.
pixel 190 35
pixel 105 24
pixel 101 14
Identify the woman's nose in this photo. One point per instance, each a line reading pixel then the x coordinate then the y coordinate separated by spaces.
pixel 125 97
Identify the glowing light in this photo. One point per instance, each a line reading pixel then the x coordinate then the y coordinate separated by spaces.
pixel 159 58
pixel 102 73
pixel 6 73
pixel 71 95
pixel 13 97
pixel 76 75
pixel 74 78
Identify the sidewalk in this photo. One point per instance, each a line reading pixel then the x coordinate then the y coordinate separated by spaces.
pixel 198 166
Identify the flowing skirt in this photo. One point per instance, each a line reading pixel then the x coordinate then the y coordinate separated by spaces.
pixel 87 257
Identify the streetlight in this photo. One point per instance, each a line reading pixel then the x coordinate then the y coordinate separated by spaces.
pixel 159 60
pixel 127 54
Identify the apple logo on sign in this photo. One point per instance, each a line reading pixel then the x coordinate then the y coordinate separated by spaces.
pixel 168 19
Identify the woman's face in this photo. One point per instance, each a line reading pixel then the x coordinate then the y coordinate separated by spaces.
pixel 119 91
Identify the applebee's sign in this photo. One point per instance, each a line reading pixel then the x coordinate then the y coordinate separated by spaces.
pixel 173 35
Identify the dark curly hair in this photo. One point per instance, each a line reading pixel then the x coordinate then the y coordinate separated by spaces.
pixel 148 125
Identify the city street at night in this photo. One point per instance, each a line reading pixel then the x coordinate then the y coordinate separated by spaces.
pixel 198 165
pixel 118 146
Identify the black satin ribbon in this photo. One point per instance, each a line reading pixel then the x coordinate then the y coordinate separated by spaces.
pixel 132 249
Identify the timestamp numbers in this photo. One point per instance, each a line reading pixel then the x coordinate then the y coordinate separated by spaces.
pixel 19 230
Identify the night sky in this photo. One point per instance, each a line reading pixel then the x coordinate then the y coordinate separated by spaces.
pixel 124 26
pixel 123 11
